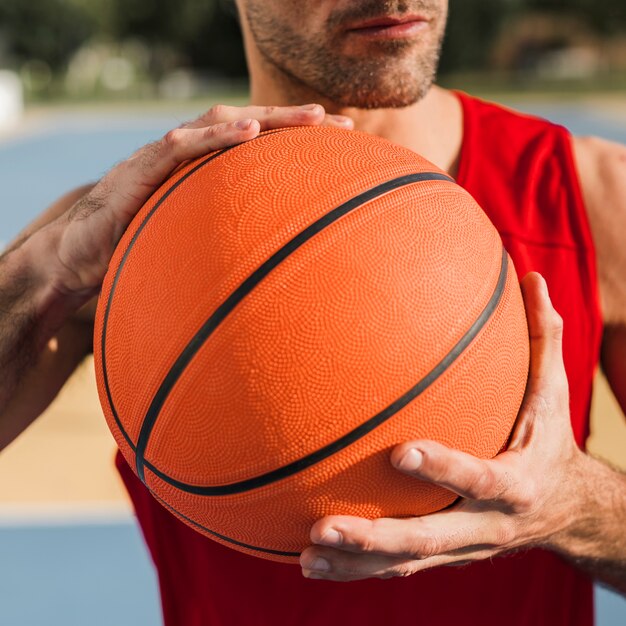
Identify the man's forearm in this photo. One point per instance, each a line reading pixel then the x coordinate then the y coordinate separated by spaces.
pixel 595 540
pixel 31 309
pixel 17 323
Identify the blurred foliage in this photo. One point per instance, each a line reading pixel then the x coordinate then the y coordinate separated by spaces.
pixel 606 16
pixel 192 33
pixel 472 27
pixel 203 35
pixel 42 29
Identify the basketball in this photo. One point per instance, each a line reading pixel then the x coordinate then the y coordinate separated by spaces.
pixel 282 313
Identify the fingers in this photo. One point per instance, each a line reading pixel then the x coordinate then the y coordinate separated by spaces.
pixel 545 328
pixel 344 567
pixel 334 565
pixel 415 538
pixel 547 392
pixel 96 223
pixel 384 548
pixel 462 473
pixel 134 180
pixel 222 126
pixel 272 117
pixel 158 160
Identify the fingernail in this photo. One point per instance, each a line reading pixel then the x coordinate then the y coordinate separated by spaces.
pixel 318 565
pixel 341 119
pixel 331 537
pixel 243 124
pixel 411 461
pixel 310 107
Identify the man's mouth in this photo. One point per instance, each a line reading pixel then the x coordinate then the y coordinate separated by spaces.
pixel 389 27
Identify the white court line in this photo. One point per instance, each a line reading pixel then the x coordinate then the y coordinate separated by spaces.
pixel 64 514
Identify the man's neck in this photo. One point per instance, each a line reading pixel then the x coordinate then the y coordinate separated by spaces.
pixel 432 127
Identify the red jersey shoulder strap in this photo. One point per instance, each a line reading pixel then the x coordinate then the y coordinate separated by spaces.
pixel 521 169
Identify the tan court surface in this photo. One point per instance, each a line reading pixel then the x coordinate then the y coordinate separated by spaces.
pixel 66 457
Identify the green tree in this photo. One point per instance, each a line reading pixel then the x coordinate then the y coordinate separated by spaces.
pixel 199 33
pixel 605 16
pixel 204 34
pixel 472 28
pixel 49 30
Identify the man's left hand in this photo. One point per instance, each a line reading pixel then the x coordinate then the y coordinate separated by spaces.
pixel 523 497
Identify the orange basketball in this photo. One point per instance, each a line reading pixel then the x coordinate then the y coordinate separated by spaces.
pixel 282 313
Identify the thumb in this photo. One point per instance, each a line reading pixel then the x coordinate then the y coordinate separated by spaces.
pixel 547 391
pixel 545 329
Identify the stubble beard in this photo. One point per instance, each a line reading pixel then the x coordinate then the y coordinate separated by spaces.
pixel 398 73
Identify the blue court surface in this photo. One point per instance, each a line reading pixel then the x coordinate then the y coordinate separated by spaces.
pixel 76 575
pixel 98 574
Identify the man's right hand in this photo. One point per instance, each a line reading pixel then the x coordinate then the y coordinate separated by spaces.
pixel 59 262
pixel 85 237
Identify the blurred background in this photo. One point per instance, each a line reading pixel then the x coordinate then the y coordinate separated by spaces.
pixel 83 83
pixel 116 50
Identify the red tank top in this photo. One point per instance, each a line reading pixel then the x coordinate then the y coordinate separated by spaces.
pixel 521 171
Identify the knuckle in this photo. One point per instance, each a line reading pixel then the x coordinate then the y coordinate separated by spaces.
pixel 214 130
pixel 216 112
pixel 491 485
pixel 173 138
pixel 364 543
pixel 505 533
pixel 85 207
pixel 483 484
pixel 556 325
pixel 426 547
pixel 269 110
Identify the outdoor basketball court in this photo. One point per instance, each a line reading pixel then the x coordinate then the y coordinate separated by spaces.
pixel 70 553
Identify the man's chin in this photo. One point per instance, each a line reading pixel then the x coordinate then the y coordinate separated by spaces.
pixel 376 86
pixel 382 103
pixel 377 98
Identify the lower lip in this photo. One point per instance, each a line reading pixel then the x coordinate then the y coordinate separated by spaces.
pixel 391 31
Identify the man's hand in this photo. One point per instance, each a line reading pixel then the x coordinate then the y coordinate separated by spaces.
pixel 52 270
pixel 84 239
pixel 527 496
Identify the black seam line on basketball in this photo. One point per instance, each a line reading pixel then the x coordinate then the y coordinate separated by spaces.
pixel 125 257
pixel 218 535
pixel 247 286
pixel 365 428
